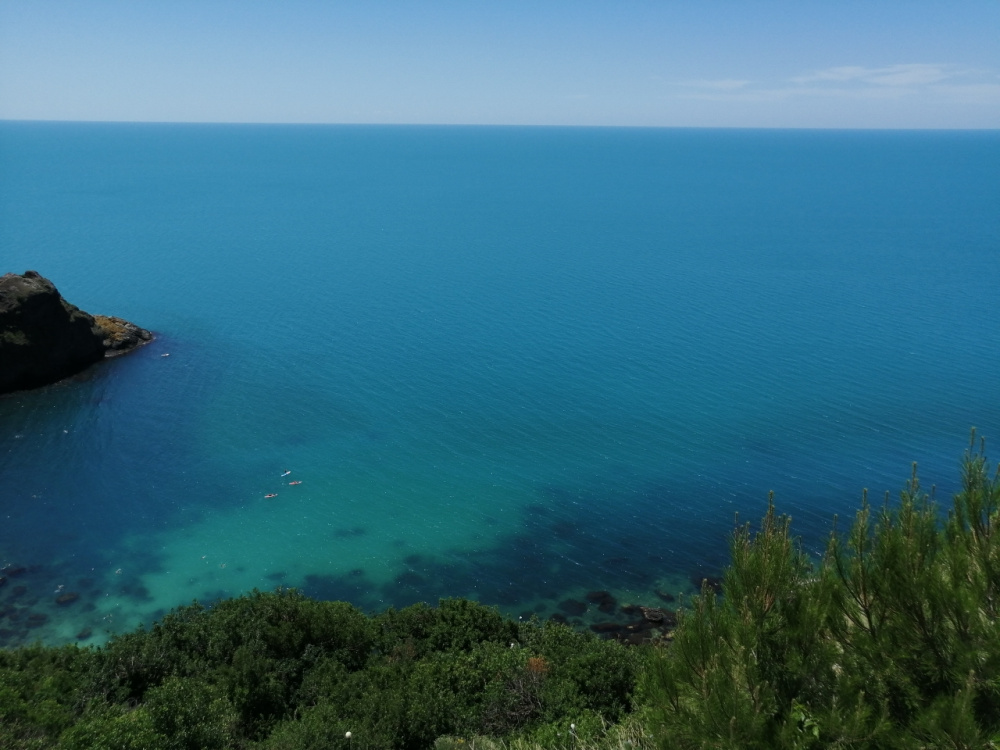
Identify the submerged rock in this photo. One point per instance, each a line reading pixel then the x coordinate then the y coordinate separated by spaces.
pixel 572 607
pixel 604 628
pixel 659 616
pixel 36 620
pixel 43 338
pixel 604 600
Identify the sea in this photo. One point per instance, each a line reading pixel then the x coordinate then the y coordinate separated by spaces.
pixel 519 365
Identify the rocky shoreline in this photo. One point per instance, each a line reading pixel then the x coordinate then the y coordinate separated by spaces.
pixel 43 338
pixel 37 601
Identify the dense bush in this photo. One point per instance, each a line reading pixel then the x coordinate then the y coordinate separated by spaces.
pixel 40 692
pixel 460 669
pixel 891 640
pixel 277 670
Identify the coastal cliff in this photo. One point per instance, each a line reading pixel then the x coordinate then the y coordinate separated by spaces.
pixel 43 338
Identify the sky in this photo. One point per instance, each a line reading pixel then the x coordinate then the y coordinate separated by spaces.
pixel 704 63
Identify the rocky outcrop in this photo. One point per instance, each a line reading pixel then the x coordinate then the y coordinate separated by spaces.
pixel 120 336
pixel 43 338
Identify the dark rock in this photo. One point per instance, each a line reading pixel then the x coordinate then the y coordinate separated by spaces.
pixel 84 634
pixel 68 598
pixel 140 592
pixel 660 617
pixel 635 634
pixel 573 607
pixel 43 338
pixel 668 598
pixel 643 626
pixel 607 627
pixel 120 336
pixel 631 609
pixel 559 617
pixel 651 614
pixel 19 591
pixel 635 639
pixel 604 601
pixel 3 580
pixel 36 620
pixel 12 571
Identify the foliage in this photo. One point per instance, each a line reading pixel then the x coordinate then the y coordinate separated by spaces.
pixel 118 728
pixel 486 676
pixel 279 670
pixel 587 733
pixel 891 640
pixel 39 689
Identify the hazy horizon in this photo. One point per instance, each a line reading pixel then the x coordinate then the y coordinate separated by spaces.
pixel 892 65
pixel 264 123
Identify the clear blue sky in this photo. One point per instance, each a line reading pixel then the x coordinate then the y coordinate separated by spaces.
pixel 733 63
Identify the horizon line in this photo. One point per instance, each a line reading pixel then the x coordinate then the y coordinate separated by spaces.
pixel 497 125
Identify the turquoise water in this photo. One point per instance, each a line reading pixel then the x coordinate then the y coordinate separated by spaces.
pixel 511 364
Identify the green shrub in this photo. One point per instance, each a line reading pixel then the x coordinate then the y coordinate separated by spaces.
pixel 192 714
pixel 116 729
pixel 40 693
pixel 891 640
pixel 458 669
pixel 255 649
pixel 454 624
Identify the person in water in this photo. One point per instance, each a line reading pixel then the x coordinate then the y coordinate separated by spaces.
pixel 287 472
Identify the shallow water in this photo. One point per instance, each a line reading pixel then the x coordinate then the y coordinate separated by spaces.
pixel 511 364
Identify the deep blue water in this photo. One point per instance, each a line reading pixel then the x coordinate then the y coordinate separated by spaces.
pixel 513 364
